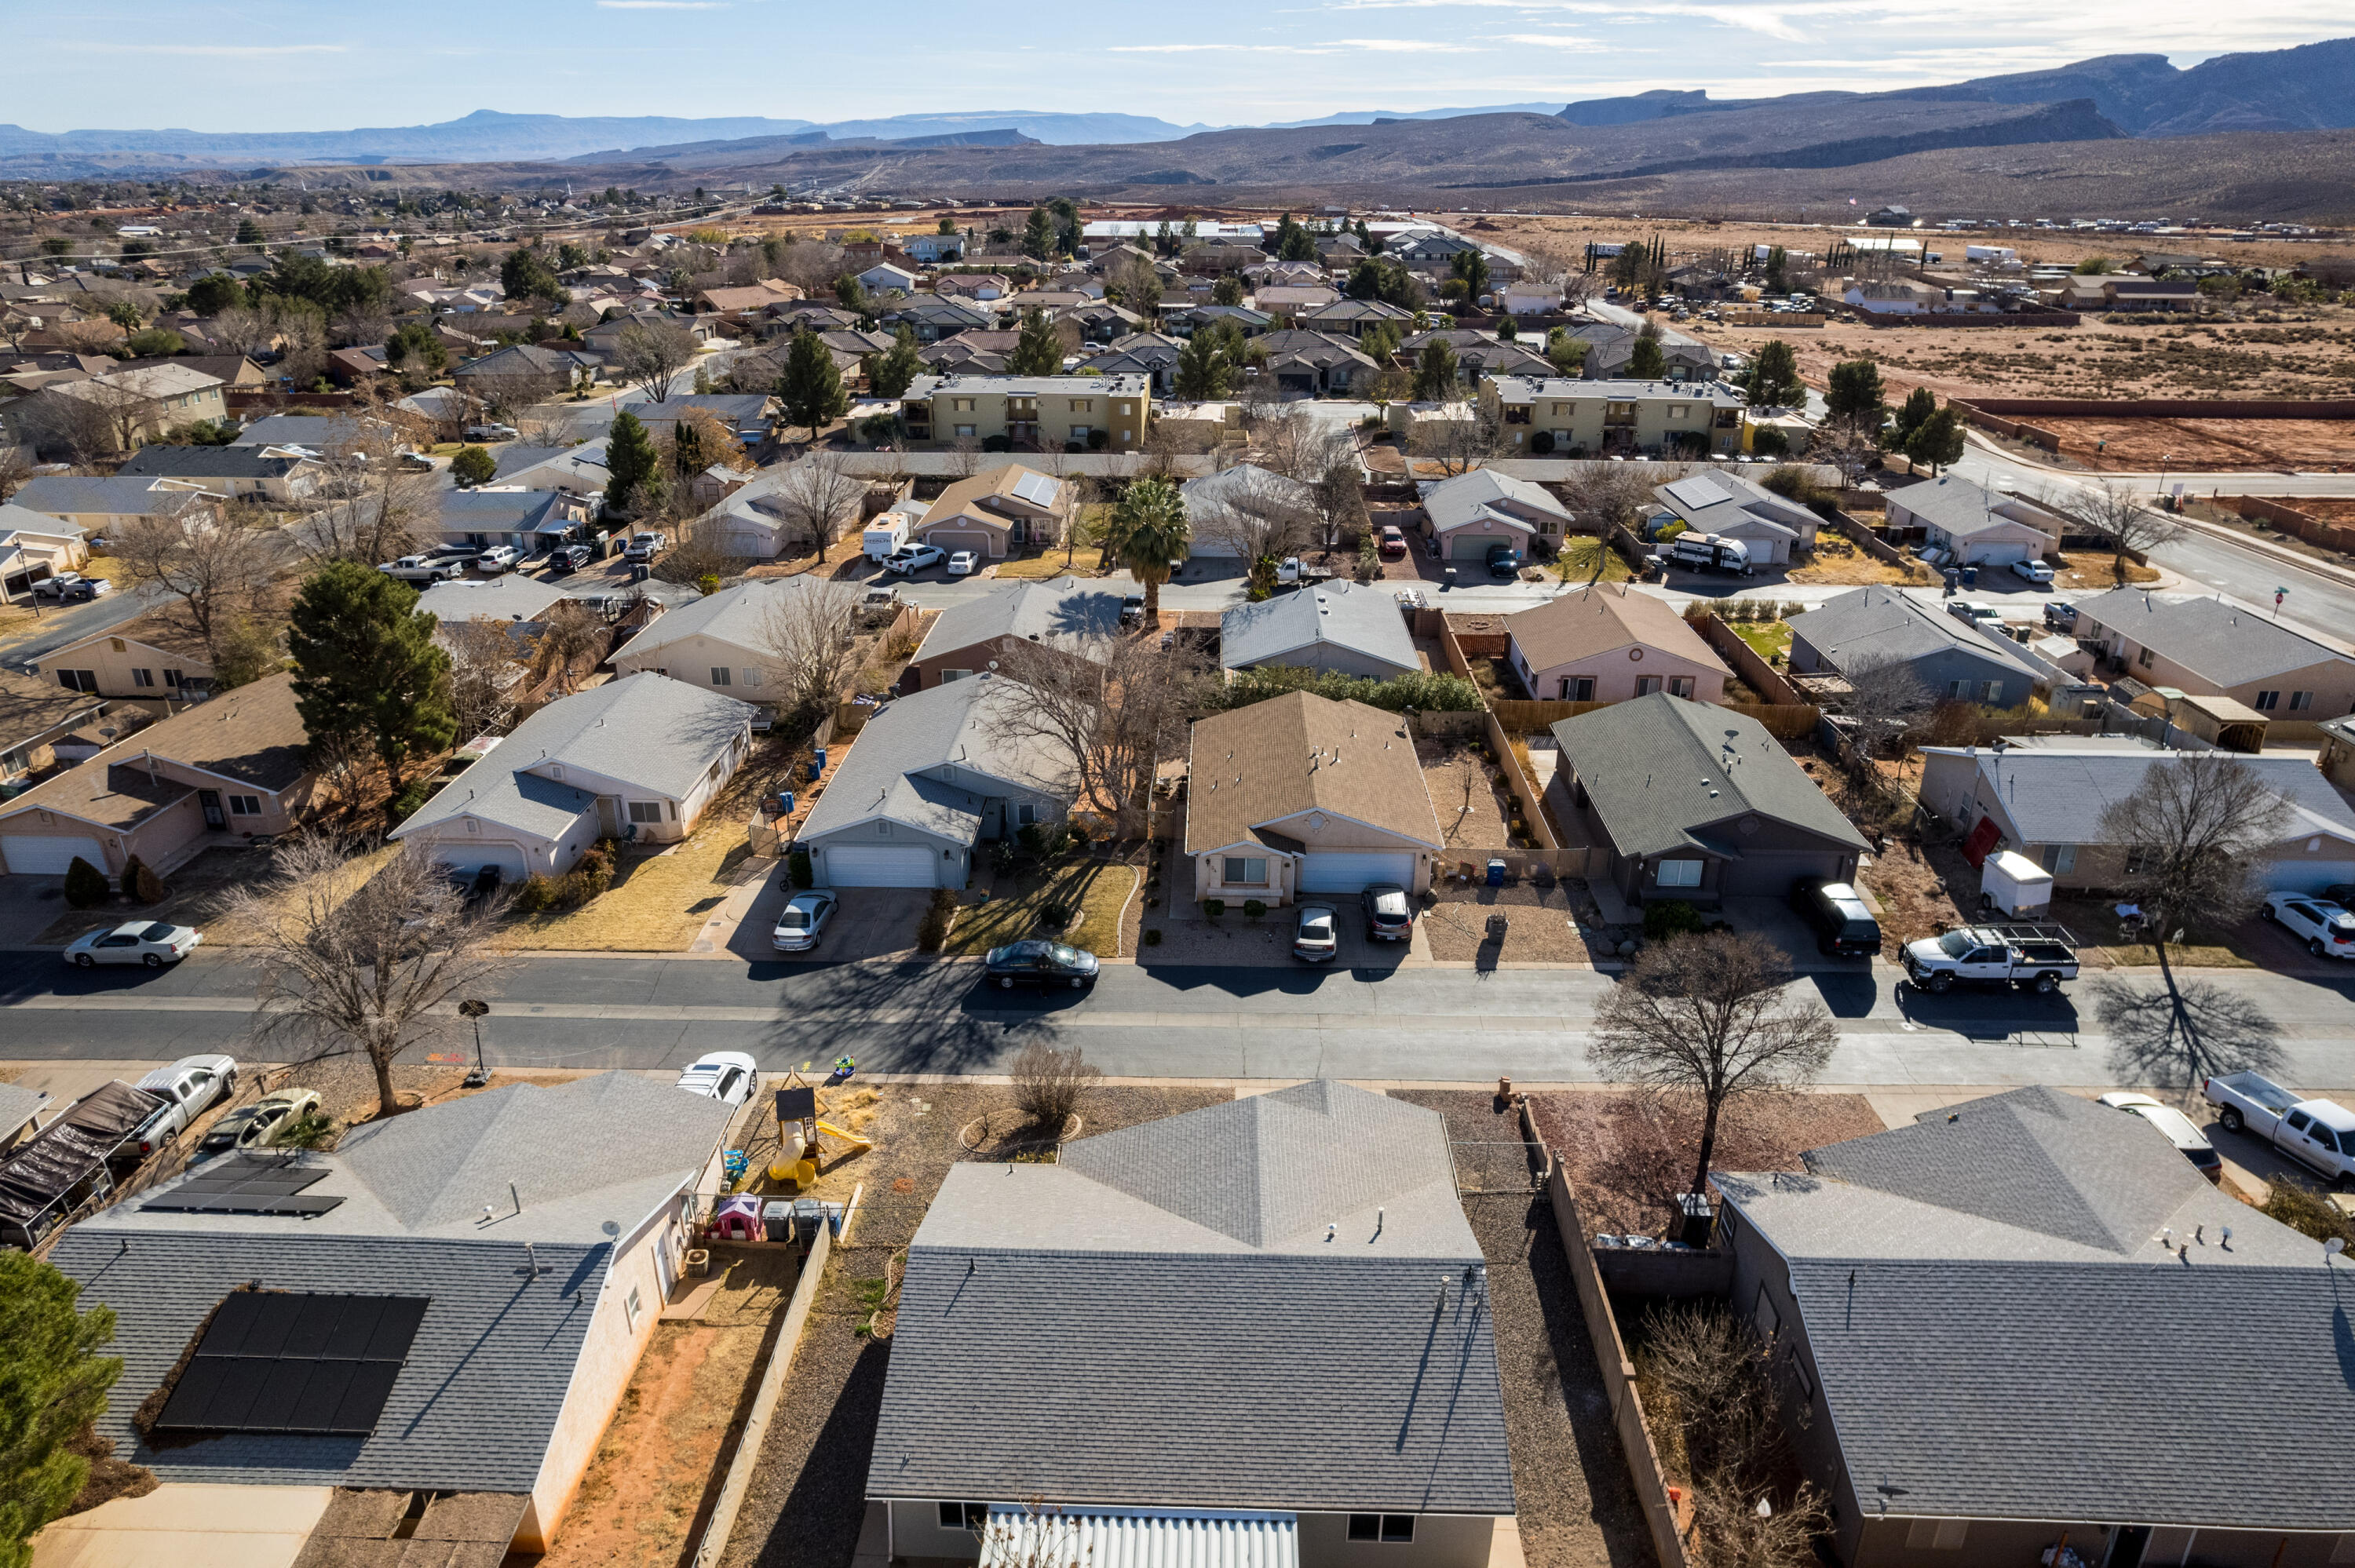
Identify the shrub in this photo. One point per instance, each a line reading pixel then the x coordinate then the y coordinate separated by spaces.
pixel 537 894
pixel 1057 917
pixel 86 886
pixel 2304 1210
pixel 997 443
pixel 1541 444
pixel 797 867
pixel 411 799
pixel 141 885
pixel 1099 440
pixel 1049 1085
pixel 592 877
pixel 1671 917
pixel 1152 936
pixel 939 915
pixel 1426 691
pixel 307 1131
pixel 1254 909
pixel 1213 907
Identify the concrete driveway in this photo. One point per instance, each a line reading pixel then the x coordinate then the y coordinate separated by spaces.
pixel 1779 923
pixel 870 923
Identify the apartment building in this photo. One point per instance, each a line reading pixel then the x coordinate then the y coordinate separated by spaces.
pixel 1087 413
pixel 1546 416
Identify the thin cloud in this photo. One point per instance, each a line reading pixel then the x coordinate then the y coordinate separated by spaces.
pixel 1403 45
pixel 661 4
pixel 1546 41
pixel 216 51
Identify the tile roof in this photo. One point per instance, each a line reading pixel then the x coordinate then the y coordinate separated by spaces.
pixel 1358 617
pixel 957 729
pixel 2056 794
pixel 1300 753
pixel 1367 1362
pixel 1065 612
pixel 2227 643
pixel 1600 618
pixel 1667 774
pixel 1884 623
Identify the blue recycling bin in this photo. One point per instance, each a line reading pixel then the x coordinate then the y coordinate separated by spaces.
pixel 785 803
pixel 1496 873
pixel 1970 577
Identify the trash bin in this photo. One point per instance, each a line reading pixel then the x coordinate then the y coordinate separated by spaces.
pixel 785 803
pixel 777 1221
pixel 1446 579
pixel 1970 577
pixel 640 572
pixel 808 1215
pixel 1496 873
pixel 818 760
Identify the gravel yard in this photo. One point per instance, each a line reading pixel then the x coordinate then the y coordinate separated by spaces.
pixel 1475 810
pixel 1540 923
pixel 1575 1500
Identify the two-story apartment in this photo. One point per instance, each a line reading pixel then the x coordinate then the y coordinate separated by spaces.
pixel 1043 412
pixel 119 410
pixel 2212 646
pixel 1553 416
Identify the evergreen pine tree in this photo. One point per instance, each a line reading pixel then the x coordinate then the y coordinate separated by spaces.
pixel 890 374
pixel 1037 350
pixel 811 387
pixel 55 1386
pixel 1915 413
pixel 630 463
pixel 1434 373
pixel 365 666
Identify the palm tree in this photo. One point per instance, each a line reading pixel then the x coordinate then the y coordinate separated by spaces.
pixel 1148 532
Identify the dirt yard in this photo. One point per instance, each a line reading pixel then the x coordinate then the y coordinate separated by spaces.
pixel 1476 811
pixel 1541 924
pixel 2195 445
pixel 1629 1153
pixel 1835 560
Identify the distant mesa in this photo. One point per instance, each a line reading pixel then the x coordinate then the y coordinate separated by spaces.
pixel 1656 104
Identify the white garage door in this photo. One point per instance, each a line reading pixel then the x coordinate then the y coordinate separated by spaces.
pixel 469 859
pixel 873 866
pixel 1472 546
pixel 2283 876
pixel 33 854
pixel 1333 870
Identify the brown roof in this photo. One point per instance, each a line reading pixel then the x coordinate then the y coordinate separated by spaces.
pixel 1301 752
pixel 250 735
pixel 29 708
pixel 156 629
pixel 967 496
pixel 1599 617
pixel 112 795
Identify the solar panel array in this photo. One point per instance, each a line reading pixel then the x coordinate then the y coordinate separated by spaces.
pixel 241 1185
pixel 310 1364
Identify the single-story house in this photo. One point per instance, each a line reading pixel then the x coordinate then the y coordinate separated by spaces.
pixel 220 772
pixel 1300 795
pixel 1474 513
pixel 453 1301
pixel 1609 642
pixel 35 715
pixel 2212 646
pixel 1892 297
pixel 931 319
pixel 933 776
pixel 517 602
pixel 973 285
pixel 152 657
pixel 724 642
pixel 1276 1253
pixel 228 471
pixel 1070 614
pixel 578 470
pixel 1355 317
pixel 324 435
pixel 508 514
pixel 102 505
pixel 885 278
pixel 1478 353
pixel 35 545
pixel 1309 364
pixel 437 413
pixel 1973 525
pixel 744 415
pixel 1243 508
pixel 1915 1291
pixel 1005 509
pixel 756 519
pixel 2337 759
pixel 1150 355
pixel 1698 804
pixel 1351 629
pixel 637 758
pixel 1294 299
pixel 1186 321
pixel 1951 660
pixel 521 373
pixel 2044 797
pixel 1733 507
pixel 975 352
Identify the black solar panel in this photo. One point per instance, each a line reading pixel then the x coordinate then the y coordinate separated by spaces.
pixel 244 1185
pixel 281 1362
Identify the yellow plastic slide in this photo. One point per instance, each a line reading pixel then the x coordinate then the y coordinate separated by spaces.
pixel 828 1127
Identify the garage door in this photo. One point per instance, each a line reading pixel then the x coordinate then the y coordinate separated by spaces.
pixel 1333 870
pixel 952 541
pixel 35 854
pixel 1475 548
pixel 871 865
pixel 469 859
pixel 2282 876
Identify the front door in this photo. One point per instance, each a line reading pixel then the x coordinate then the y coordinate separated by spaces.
pixel 993 818
pixel 2127 1543
pixel 210 801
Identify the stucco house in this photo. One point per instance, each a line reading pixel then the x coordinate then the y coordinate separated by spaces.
pixel 1608 643
pixel 1474 512
pixel 1070 614
pixel 2212 646
pixel 151 657
pixel 98 505
pixel 1950 659
pixel 1301 795
pixel 1973 525
pixel 1239 511
pixel 228 472
pixel 1005 509
pixel 637 758
pixel 34 716
pixel 1733 507
pixel 1350 629
pixel 723 642
pixel 932 776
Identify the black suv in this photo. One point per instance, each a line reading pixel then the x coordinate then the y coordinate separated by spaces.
pixel 1390 913
pixel 1844 927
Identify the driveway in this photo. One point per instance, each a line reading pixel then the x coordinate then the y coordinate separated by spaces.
pixel 1781 925
pixel 870 923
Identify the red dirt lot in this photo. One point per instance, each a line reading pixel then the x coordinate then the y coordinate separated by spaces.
pixel 2145 446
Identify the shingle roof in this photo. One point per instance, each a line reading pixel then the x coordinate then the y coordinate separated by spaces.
pixel 29 708
pixel 1602 617
pixel 314 430
pixel 1883 623
pixel 1065 612
pixel 253 735
pixel 505 511
pixel 1714 502
pixel 1965 510
pixel 126 496
pixel 2227 643
pixel 739 616
pixel 162 460
pixel 1299 753
pixel 511 597
pixel 1367 1364
pixel 2056 795
pixel 1342 615
pixel 957 728
pixel 1659 770
pixel 1484 493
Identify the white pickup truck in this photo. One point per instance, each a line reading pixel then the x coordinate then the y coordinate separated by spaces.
pixel 2319 1134
pixel 2034 958
pixel 186 1088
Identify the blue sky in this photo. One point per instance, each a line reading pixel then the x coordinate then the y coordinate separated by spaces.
pixel 272 65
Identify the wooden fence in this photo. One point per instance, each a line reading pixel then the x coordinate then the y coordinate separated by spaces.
pixel 1524 787
pixel 1762 677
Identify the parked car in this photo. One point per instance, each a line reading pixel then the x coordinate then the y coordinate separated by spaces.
pixel 964 564
pixel 1394 544
pixel 424 568
pixel 1504 561
pixel 643 547
pixel 2060 614
pixel 67 588
pixel 1844 927
pixel 416 462
pixel 1390 913
pixel 1132 608
pixel 2029 957
pixel 568 559
pixel 2034 571
pixel 802 921
pixel 260 1125
pixel 188 1088
pixel 728 1076
pixel 154 943
pixel 1041 963
pixel 490 432
pixel 1316 933
pixel 2316 1133
pixel 913 558
pixel 2178 1128
pixel 497 559
pixel 2327 928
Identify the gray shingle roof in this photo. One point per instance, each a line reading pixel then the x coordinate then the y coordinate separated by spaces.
pixel 954 728
pixel 162 460
pixel 505 511
pixel 1964 509
pixel 1066 613
pixel 510 597
pixel 2228 643
pixel 1659 771
pixel 2055 795
pixel 737 616
pixel 314 430
pixel 1343 615
pixel 1484 492
pixel 132 496
pixel 1364 1368
pixel 1714 502
pixel 1883 623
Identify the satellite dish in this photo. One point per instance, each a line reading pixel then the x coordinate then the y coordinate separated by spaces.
pixel 2334 1246
pixel 610 1227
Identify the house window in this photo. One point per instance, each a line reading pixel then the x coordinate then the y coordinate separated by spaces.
pixel 1992 691
pixel 964 429
pixel 882 830
pixel 556 770
pixel 960 406
pixel 1646 685
pixel 1392 1527
pixel 2145 659
pixel 720 675
pixel 1960 691
pixel 1679 874
pixel 1680 686
pixel 1024 816
pixel 2059 859
pixel 751 675
pixel 963 1515
pixel 1578 688
pixel 1562 410
pixel 472 826
pixel 1678 410
pixel 2267 702
pixel 2300 701
pixel 631 1306
pixel 172 679
pixel 2137 861
pixel 1245 871
pixel 948 675
pixel 142 677
pixel 645 810
pixel 245 805
pixel 78 679
pixel 1764 1317
pixel 1083 406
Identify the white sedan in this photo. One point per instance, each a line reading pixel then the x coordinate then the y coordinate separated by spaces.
pixel 964 564
pixel 802 921
pixel 150 942
pixel 2328 930
pixel 2187 1138
pixel 728 1076
pixel 2034 571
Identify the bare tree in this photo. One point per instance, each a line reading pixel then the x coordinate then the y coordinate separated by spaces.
pixel 1460 444
pixel 1607 495
pixel 571 639
pixel 484 670
pixel 822 495
pixel 354 961
pixel 1258 513
pixel 213 566
pixel 652 351
pixel 377 509
pixel 1041 1536
pixel 1708 1015
pixel 811 630
pixel 2193 834
pixel 1106 709
pixel 1051 1085
pixel 2110 513
pixel 813 265
pixel 965 457
pixel 1848 445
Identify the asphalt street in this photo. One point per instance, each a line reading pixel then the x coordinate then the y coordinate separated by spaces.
pixel 1427 1024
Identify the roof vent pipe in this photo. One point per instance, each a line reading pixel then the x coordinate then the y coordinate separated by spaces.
pixel 1379 1215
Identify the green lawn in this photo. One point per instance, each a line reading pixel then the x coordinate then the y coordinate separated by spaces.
pixel 1098 887
pixel 1580 553
pixel 1770 640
